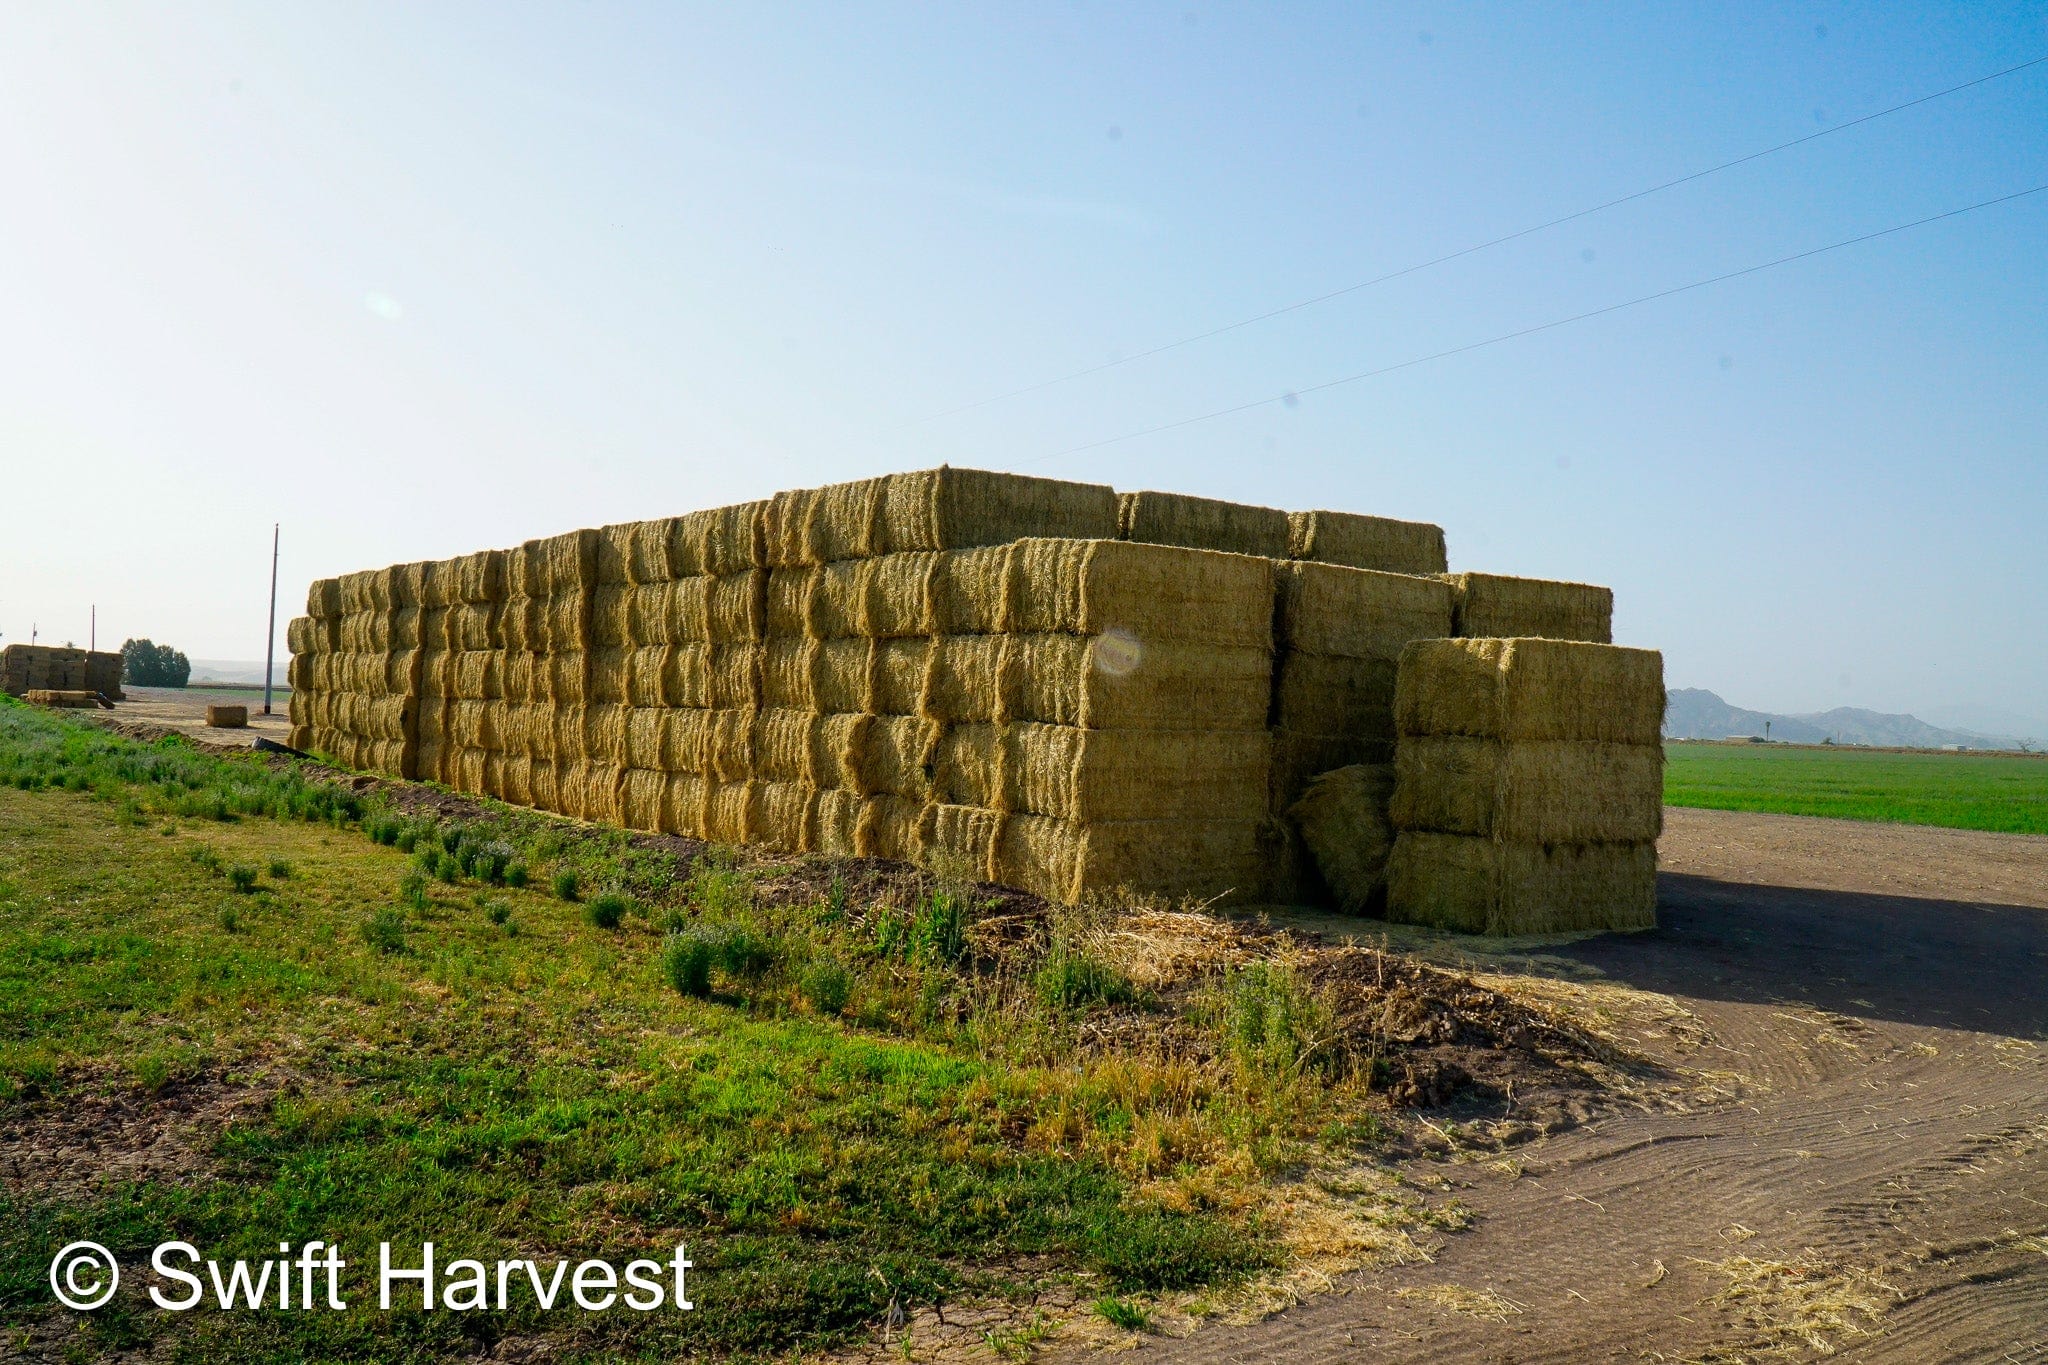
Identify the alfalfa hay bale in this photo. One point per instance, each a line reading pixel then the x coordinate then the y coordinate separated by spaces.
pixel 953 509
pixel 1535 791
pixel 1485 886
pixel 1359 613
pixel 1342 817
pixel 1151 592
pixel 1527 689
pixel 1404 547
pixel 1066 861
pixel 1202 523
pixel 1492 606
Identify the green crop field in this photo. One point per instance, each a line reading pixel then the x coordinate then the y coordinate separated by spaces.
pixel 2006 794
pixel 522 1037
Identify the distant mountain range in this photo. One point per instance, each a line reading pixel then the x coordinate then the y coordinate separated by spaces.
pixel 1695 713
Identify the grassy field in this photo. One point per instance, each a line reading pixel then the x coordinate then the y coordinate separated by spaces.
pixel 520 1038
pixel 1960 791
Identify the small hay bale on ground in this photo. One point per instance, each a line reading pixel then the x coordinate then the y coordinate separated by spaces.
pixel 1202 524
pixel 61 697
pixel 1342 816
pixel 223 717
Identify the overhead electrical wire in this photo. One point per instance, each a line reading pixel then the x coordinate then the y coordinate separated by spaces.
pixel 1462 252
pixel 1295 394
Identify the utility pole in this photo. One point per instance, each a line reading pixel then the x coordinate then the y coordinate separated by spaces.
pixel 270 638
pixel 92 637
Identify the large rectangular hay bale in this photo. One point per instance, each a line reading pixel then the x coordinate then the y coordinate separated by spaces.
pixel 1535 791
pixel 1098 683
pixel 1493 606
pixel 1358 613
pixel 1065 861
pixel 718 540
pixel 1382 543
pixel 1202 523
pixel 957 509
pixel 1485 886
pixel 1150 592
pixel 1530 689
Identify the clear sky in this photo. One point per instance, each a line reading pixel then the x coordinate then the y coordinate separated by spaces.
pixel 417 280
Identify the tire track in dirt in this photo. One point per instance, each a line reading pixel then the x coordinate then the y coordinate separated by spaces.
pixel 1877 1186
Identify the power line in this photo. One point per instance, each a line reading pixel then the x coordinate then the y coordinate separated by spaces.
pixel 1294 394
pixel 1481 246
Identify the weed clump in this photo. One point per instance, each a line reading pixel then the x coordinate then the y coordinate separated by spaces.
pixel 280 870
pixel 242 877
pixel 385 931
pixel 565 885
pixel 608 910
pixel 686 960
pixel 826 985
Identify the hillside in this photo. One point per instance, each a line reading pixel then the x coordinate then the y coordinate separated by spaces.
pixel 1695 713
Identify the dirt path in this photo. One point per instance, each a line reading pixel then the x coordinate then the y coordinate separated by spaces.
pixel 1876 1184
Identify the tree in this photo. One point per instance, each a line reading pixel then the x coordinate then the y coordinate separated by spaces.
pixel 147 664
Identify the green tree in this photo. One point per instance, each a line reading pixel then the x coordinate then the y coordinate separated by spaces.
pixel 147 664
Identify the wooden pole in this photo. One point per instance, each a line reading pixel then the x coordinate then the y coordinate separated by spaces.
pixel 270 639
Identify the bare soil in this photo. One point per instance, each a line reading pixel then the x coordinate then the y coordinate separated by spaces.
pixel 1861 1169
pixel 183 709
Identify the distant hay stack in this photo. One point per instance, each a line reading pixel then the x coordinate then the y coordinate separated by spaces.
pixel 1528 789
pixel 60 668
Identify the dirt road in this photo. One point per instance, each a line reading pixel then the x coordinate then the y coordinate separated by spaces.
pixel 1875 1183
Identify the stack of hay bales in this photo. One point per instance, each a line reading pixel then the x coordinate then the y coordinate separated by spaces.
pixel 1339 635
pixel 1528 789
pixel 355 669
pixel 58 668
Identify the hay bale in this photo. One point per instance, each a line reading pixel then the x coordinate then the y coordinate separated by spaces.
pixel 954 509
pixel 324 599
pixel 1154 592
pixel 219 716
pixel 68 698
pixel 1358 613
pixel 1098 683
pixel 1485 886
pixel 719 541
pixel 1535 791
pixel 1093 775
pixel 1491 606
pixel 634 552
pixel 1065 861
pixel 1403 547
pixel 737 607
pixel 1530 689
pixel 1342 818
pixel 1203 524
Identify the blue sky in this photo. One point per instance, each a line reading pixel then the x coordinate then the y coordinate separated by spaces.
pixel 418 280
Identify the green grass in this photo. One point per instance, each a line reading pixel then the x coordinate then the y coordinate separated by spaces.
pixel 836 1105
pixel 1960 791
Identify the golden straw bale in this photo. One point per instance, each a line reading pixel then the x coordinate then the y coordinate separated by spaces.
pixel 891 827
pixel 471 625
pixel 300 738
pixel 729 811
pixel 408 584
pixel 464 771
pixel 835 822
pixel 515 780
pixel 611 616
pixel 686 676
pixel 1531 689
pixel 735 675
pixel 1490 606
pixel 1154 592
pixel 962 837
pixel 685 740
pixel 675 613
pixel 634 552
pixel 892 757
pixel 729 745
pixel 1102 683
pixel 568 621
pixel 1325 694
pixel 682 804
pixel 811 526
pixel 479 674
pixel 645 668
pixel 1298 757
pixel 522 624
pixel 1536 791
pixel 544 789
pixel 718 541
pixel 479 578
pixel 323 599
pixel 1358 613
pixel 1097 775
pixel 354 593
pixel 608 672
pixel 737 607
pixel 641 796
pixel 782 816
pixel 605 732
pixel 568 678
pixel 1485 886
pixel 1202 523
pixel 299 635
pixel 524 676
pixel 1342 817
pixel 1404 547
pixel 1065 861
pixel 952 509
